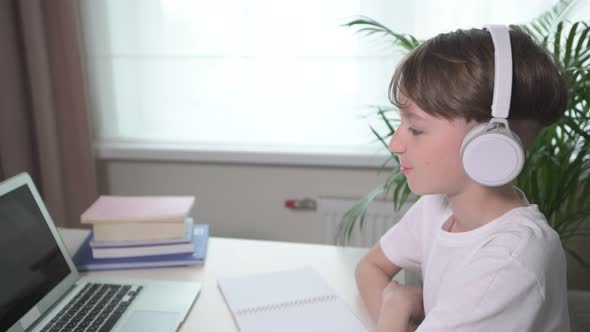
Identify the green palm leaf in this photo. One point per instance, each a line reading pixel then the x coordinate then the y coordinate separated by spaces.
pixel 369 27
pixel 540 27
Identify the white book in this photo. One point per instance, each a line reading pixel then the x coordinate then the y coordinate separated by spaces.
pixel 287 301
pixel 143 250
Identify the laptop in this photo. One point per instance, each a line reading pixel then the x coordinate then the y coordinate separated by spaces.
pixel 41 290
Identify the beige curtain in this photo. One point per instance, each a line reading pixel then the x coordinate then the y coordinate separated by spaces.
pixel 44 118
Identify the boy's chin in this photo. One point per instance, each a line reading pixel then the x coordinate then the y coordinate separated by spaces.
pixel 418 191
pixel 421 191
pixel 433 186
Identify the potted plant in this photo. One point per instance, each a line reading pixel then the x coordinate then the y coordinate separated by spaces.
pixel 557 165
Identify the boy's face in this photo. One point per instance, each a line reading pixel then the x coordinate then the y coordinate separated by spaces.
pixel 429 151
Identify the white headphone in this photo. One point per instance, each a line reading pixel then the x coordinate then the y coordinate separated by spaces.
pixel 491 154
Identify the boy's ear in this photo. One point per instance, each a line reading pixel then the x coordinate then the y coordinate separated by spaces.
pixel 526 129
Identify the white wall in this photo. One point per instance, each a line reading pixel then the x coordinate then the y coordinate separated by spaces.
pixel 242 200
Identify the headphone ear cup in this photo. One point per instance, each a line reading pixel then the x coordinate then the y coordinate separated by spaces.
pixel 471 134
pixel 491 157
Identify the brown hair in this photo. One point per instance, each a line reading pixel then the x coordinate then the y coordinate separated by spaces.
pixel 452 75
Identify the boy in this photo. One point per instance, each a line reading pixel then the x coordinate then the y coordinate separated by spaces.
pixel 488 258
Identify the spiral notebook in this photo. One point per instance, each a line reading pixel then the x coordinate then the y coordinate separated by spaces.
pixel 287 301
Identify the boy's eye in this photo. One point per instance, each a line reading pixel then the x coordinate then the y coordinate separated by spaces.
pixel 414 131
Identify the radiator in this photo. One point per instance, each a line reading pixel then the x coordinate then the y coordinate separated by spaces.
pixel 379 218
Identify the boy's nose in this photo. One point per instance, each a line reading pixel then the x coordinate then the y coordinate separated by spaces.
pixel 395 145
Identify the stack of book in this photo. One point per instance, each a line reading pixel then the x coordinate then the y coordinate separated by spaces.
pixel 141 232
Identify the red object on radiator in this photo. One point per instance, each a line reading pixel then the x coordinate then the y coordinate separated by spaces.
pixel 301 204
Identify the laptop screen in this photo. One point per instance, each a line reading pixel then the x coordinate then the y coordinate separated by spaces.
pixel 31 263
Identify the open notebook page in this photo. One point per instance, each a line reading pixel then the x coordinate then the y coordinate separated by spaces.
pixel 334 315
pixel 294 300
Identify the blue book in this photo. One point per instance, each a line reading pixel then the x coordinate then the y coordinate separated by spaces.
pixel 85 262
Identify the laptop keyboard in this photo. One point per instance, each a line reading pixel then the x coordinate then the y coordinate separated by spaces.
pixel 96 308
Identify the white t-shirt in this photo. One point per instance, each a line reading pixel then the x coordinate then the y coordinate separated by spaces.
pixel 508 275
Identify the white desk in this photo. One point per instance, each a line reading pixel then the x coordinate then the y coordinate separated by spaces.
pixel 235 257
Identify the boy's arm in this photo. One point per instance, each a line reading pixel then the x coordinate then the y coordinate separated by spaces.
pixel 400 305
pixel 373 274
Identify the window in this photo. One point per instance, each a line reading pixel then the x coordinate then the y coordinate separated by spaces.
pixel 255 75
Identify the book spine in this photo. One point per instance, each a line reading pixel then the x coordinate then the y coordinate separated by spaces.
pixel 148 265
pixel 142 251
pixel 189 226
pixel 137 232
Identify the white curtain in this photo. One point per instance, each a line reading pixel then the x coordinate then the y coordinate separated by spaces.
pixel 257 74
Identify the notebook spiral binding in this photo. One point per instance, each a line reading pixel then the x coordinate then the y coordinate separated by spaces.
pixel 285 305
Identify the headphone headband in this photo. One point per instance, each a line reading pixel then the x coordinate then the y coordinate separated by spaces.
pixel 502 70
pixel 491 154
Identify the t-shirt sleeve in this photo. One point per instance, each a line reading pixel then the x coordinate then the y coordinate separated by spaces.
pixel 401 244
pixel 496 293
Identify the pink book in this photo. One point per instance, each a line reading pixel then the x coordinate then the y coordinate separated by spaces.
pixel 116 209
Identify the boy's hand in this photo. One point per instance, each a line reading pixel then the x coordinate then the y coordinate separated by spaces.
pixel 402 301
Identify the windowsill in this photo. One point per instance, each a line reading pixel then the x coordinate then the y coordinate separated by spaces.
pixel 260 155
